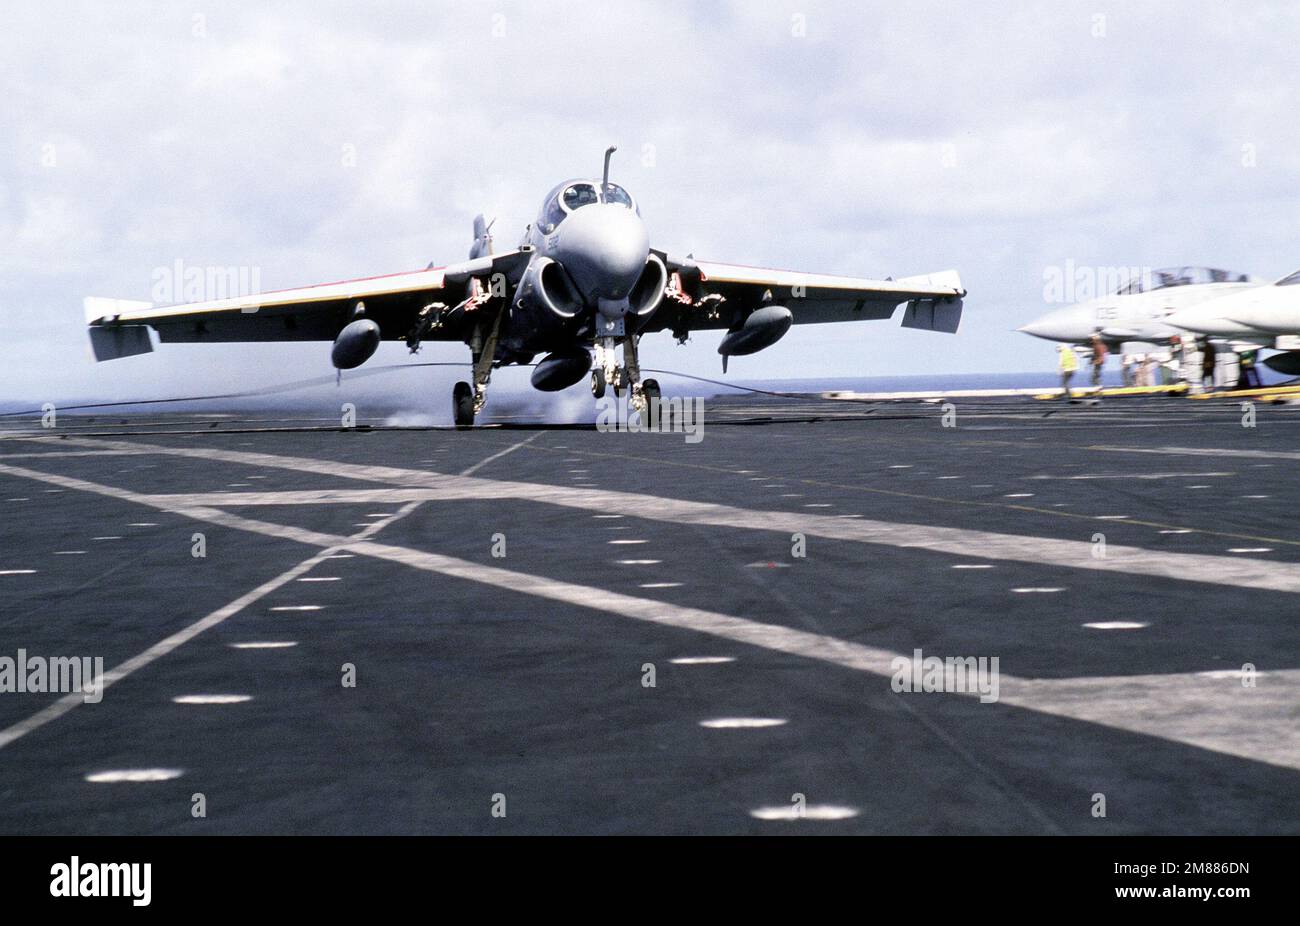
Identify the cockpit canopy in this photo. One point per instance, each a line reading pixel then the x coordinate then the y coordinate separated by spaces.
pixel 1151 280
pixel 574 194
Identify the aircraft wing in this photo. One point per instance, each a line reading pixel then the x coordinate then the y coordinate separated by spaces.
pixel 708 295
pixel 119 328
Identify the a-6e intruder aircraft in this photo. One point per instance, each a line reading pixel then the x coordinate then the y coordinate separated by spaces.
pixel 584 278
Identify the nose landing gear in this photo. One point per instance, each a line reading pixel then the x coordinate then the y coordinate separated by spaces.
pixel 607 373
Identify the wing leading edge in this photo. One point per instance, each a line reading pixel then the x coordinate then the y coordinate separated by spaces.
pixel 119 328
pixel 708 295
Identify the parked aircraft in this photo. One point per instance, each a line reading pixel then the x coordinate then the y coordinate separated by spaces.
pixel 1141 311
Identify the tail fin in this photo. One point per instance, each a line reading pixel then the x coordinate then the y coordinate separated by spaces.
pixel 482 238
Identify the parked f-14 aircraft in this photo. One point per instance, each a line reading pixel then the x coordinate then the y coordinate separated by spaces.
pixel 584 278
pixel 1141 310
pixel 1268 311
pixel 1265 315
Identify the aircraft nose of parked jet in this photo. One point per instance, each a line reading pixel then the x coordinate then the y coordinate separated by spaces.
pixel 1059 325
pixel 604 248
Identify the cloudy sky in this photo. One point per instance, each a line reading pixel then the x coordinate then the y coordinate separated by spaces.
pixel 316 141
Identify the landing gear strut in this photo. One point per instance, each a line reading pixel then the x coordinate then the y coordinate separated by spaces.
pixel 467 401
pixel 606 372
pixel 632 370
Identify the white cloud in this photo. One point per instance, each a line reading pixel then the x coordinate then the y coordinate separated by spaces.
pixel 318 142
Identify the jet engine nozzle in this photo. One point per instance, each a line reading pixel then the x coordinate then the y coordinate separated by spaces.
pixel 649 289
pixel 548 281
pixel 355 344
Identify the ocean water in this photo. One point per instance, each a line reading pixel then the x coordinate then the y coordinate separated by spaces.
pixel 414 396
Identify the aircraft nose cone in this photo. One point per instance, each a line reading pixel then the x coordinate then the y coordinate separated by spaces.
pixel 1060 325
pixel 604 248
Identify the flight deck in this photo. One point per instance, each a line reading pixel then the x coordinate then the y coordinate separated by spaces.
pixel 529 629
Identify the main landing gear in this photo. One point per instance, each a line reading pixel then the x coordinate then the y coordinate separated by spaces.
pixel 466 400
pixel 462 401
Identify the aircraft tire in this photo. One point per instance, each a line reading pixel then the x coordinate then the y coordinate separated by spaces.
pixel 462 403
pixel 650 390
pixel 598 383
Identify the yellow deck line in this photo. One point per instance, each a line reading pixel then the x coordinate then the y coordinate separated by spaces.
pixel 1175 389
pixel 1240 393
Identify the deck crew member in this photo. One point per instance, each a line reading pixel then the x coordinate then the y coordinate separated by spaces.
pixel 1098 357
pixel 1067 364
pixel 1248 375
pixel 1209 360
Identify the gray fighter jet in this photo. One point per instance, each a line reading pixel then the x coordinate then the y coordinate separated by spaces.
pixel 584 280
pixel 1139 312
